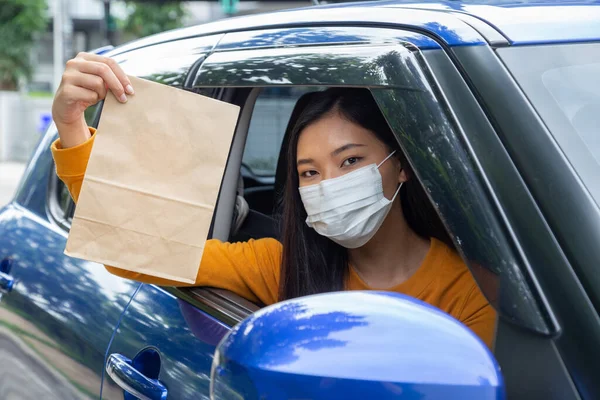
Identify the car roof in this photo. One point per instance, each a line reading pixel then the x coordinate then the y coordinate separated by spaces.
pixel 525 21
pixel 456 23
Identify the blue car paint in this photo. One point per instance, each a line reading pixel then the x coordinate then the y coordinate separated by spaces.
pixel 522 22
pixel 185 336
pixel 384 346
pixel 63 308
pixel 64 304
pixel 555 22
pixel 442 26
pixel 112 337
pixel 326 35
pixel 58 303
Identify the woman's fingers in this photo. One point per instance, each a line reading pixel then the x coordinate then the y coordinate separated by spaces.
pixel 84 94
pixel 106 68
pixel 106 73
pixel 86 80
pixel 114 66
pixel 90 82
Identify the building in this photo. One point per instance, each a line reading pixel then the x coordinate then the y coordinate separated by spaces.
pixel 87 24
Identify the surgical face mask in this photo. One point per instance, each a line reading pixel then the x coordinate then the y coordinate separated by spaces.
pixel 348 209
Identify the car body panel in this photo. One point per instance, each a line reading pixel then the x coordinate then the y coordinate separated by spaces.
pixel 298 339
pixel 62 311
pixel 555 22
pixel 446 28
pixel 185 337
pixel 303 36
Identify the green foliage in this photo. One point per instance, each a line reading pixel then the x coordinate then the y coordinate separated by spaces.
pixel 229 6
pixel 153 17
pixel 21 21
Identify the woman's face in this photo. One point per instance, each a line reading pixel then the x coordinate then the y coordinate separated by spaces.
pixel 334 146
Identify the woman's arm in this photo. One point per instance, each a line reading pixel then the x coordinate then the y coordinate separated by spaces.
pixel 249 269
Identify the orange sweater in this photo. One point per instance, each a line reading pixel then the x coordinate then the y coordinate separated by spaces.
pixel 251 269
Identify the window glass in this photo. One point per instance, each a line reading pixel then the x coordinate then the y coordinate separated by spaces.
pixel 451 179
pixel 575 90
pixel 167 63
pixel 270 118
pixel 562 83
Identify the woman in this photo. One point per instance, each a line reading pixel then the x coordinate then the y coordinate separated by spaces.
pixel 353 216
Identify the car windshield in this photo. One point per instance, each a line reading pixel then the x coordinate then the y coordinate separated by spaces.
pixel 563 84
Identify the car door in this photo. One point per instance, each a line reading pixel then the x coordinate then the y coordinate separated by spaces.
pixel 60 313
pixel 172 346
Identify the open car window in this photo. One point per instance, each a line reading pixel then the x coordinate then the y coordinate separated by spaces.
pixel 272 111
pixel 268 124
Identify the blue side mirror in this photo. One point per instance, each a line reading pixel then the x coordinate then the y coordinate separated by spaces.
pixel 354 345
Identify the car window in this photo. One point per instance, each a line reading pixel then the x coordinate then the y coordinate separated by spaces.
pixel 562 83
pixel 270 117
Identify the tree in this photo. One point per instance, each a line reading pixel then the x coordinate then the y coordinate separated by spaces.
pixel 148 18
pixel 21 21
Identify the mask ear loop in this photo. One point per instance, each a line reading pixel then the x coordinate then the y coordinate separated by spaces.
pixel 397 191
pixel 401 183
pixel 385 159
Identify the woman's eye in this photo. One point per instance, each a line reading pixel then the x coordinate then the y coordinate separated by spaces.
pixel 308 174
pixel 350 161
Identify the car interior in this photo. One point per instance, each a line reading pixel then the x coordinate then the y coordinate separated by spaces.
pixel 261 195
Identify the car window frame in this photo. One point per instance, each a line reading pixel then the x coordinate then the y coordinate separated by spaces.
pixel 215 73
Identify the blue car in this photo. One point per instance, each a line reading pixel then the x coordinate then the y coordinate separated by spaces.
pixel 497 106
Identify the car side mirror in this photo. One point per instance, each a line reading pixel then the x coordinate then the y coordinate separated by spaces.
pixel 353 345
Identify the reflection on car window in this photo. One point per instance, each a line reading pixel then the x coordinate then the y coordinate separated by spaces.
pixel 270 117
pixel 562 82
pixel 575 90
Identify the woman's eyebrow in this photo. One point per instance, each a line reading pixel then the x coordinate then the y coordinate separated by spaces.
pixel 346 147
pixel 305 161
pixel 333 153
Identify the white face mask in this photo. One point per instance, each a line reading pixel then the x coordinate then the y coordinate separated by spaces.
pixel 348 209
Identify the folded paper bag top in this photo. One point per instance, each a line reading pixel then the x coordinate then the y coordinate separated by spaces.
pixel 152 181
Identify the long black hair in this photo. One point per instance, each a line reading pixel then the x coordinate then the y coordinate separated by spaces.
pixel 312 263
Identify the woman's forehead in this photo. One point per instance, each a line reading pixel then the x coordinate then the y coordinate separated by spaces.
pixel 334 131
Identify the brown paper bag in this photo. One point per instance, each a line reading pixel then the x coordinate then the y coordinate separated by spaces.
pixel 152 181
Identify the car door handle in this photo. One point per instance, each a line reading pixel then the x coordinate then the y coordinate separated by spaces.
pixel 131 380
pixel 6 282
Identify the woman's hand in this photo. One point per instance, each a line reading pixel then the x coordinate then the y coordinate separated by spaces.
pixel 86 81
